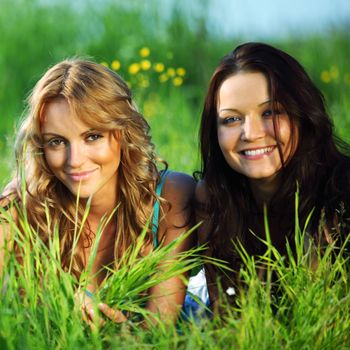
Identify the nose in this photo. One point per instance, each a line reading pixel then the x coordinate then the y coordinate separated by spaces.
pixel 253 128
pixel 75 155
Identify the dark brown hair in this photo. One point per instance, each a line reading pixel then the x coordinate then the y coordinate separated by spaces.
pixel 319 166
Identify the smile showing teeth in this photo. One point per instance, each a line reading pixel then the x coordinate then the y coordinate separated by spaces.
pixel 257 152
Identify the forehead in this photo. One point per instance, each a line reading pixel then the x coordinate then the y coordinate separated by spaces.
pixel 243 87
pixel 57 117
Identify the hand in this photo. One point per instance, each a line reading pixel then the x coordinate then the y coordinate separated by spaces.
pixel 10 188
pixel 88 309
pixel 114 315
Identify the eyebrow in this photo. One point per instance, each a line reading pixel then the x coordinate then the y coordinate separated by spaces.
pixel 237 111
pixel 54 134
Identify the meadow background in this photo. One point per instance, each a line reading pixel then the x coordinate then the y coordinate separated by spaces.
pixel 168 58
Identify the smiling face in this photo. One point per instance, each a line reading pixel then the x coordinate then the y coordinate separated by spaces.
pixel 85 160
pixel 246 129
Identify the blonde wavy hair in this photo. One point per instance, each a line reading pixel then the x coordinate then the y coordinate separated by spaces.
pixel 103 101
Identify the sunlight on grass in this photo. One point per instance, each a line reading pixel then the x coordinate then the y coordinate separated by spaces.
pixel 300 305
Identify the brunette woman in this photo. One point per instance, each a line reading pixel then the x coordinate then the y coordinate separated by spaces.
pixel 265 133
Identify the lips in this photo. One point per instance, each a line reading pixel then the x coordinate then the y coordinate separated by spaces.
pixel 257 152
pixel 81 175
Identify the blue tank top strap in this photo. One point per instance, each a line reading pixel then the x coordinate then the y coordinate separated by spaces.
pixel 155 218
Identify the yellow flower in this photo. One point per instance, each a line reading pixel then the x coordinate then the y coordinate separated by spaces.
pixel 103 63
pixel 115 65
pixel 158 67
pixel 163 78
pixel 145 64
pixel 171 72
pixel 326 77
pixel 347 78
pixel 181 71
pixel 151 105
pixel 334 72
pixel 145 52
pixel 177 81
pixel 134 68
pixel 144 83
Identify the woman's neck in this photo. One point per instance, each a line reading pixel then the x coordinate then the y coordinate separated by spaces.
pixel 101 208
pixel 264 189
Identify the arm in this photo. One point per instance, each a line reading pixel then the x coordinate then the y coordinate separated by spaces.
pixel 167 297
pixel 6 242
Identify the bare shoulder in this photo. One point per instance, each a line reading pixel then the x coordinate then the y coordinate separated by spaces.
pixel 178 192
pixel 8 208
pixel 178 188
pixel 8 217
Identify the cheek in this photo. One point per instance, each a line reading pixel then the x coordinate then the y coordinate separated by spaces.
pixel 227 139
pixel 111 155
pixel 55 159
pixel 289 138
pixel 286 134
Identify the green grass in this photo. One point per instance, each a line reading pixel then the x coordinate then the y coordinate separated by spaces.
pixel 310 308
pixel 303 307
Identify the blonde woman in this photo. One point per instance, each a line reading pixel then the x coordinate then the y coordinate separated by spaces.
pixel 83 136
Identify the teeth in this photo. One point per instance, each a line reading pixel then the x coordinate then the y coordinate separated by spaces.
pixel 256 152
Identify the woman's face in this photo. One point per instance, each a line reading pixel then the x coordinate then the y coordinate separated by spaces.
pixel 245 127
pixel 85 160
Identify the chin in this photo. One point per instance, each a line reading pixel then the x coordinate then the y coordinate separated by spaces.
pixel 262 177
pixel 83 194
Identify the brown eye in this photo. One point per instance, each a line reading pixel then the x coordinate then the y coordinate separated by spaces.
pixel 55 143
pixel 93 137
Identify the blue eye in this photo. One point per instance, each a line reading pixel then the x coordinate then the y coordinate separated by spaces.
pixel 230 120
pixel 267 113
pixel 270 112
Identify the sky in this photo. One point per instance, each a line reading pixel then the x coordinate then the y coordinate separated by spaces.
pixel 268 18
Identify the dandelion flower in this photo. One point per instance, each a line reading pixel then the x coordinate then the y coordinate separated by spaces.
pixel 334 72
pixel 171 72
pixel 159 67
pixel 144 83
pixel 134 68
pixel 104 63
pixel 116 65
pixel 163 78
pixel 347 78
pixel 145 52
pixel 326 77
pixel 181 71
pixel 145 64
pixel 177 81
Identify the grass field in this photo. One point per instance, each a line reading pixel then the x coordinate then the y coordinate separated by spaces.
pixel 168 65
